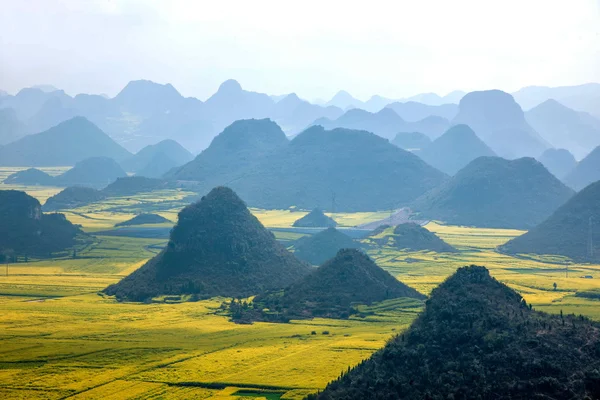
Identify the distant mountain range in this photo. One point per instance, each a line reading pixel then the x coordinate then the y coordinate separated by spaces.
pixel 584 98
pixel 145 112
pixel 385 123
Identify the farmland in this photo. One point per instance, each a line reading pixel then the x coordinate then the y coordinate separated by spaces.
pixel 61 339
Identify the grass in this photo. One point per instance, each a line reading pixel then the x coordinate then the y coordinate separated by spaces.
pixel 61 339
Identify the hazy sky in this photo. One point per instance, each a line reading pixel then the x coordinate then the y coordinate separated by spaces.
pixel 394 48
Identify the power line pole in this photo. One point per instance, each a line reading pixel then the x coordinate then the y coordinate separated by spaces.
pixel 591 239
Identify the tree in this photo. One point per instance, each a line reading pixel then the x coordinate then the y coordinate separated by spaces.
pixel 555 285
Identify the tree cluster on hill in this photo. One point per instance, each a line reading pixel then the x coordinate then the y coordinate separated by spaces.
pixel 478 339
pixel 26 231
pixel 330 291
pixel 217 248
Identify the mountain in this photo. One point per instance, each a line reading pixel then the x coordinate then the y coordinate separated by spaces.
pixel 144 219
pixel 558 161
pixel 26 231
pixel 359 168
pixel 54 111
pixel 499 121
pixel 231 103
pixel 565 128
pixel 385 123
pixel 234 153
pixel 584 97
pixel 315 219
pixel 217 248
pixel 320 247
pixel 412 237
pixel 344 100
pixel 255 159
pixel 65 144
pixel 95 172
pixel 495 193
pixel 455 149
pixel 333 289
pixel 376 103
pixel 411 141
pixel 293 113
pixel 30 176
pixel 131 185
pixel 73 197
pixel 433 126
pixel 567 232
pixel 478 339
pixel 145 98
pixel 414 111
pixel 434 99
pixel 29 101
pixel 586 171
pixel 11 128
pixel 158 166
pixel 170 148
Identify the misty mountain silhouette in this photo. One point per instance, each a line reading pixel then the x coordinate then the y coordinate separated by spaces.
pixel 565 128
pixel 558 161
pixel 499 121
pixel 455 149
pixel 495 193
pixel 585 172
pixel 65 144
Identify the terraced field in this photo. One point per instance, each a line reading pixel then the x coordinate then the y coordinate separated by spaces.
pixel 61 339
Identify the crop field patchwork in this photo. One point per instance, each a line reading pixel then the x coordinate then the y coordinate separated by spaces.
pixel 61 339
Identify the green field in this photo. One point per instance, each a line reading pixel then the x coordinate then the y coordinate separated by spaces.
pixel 61 339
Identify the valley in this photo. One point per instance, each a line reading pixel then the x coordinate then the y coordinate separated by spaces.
pixel 62 339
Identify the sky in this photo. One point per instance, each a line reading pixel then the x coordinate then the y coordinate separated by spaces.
pixel 394 48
